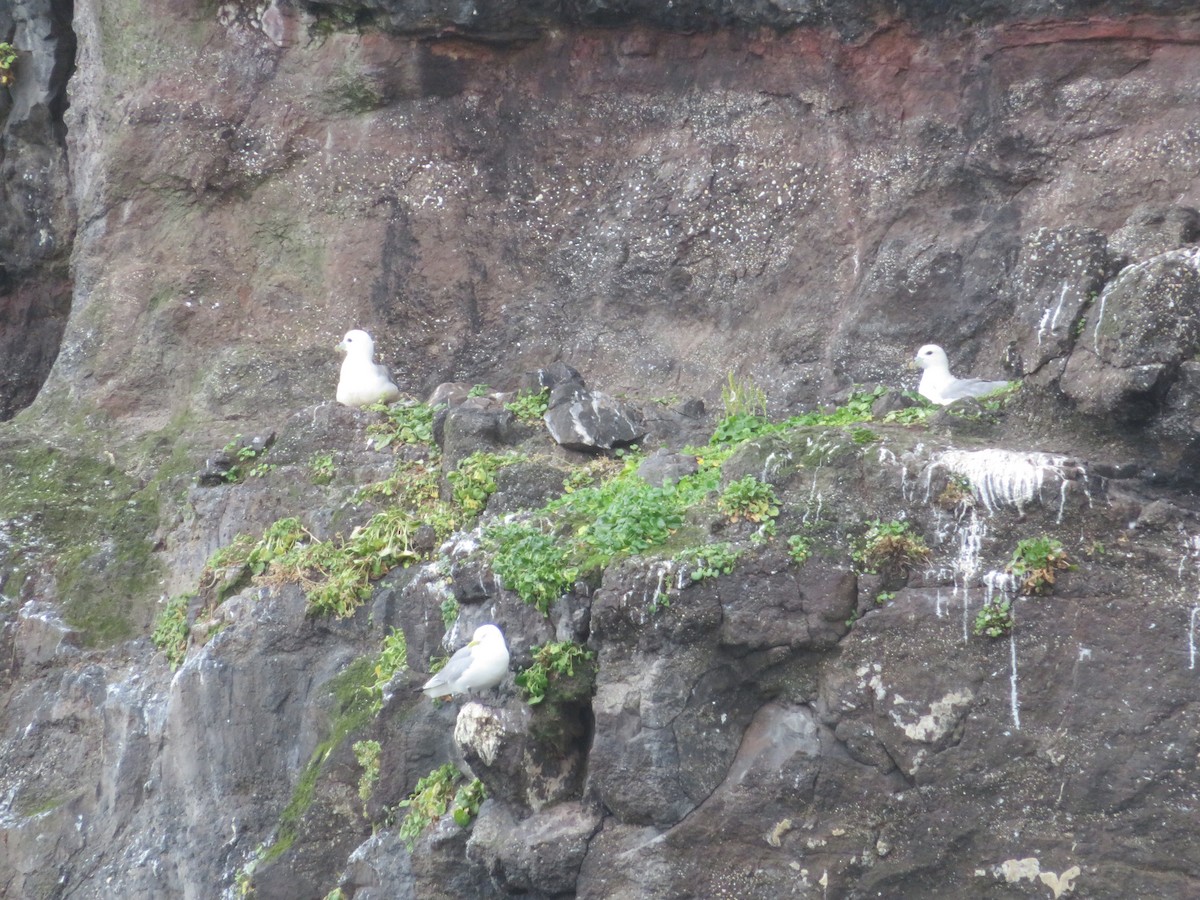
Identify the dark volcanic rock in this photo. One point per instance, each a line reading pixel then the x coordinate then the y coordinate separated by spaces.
pixel 796 193
pixel 1147 321
pixel 582 419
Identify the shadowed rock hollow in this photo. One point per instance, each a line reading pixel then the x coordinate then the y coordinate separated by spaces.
pixel 626 203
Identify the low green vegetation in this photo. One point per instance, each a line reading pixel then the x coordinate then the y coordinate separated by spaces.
pixel 995 618
pixel 1035 562
pixel 554 664
pixel 321 468
pixel 171 629
pixel 449 610
pixel 8 57
pixel 393 657
pixel 530 406
pixel 247 461
pixel 710 560
pixel 403 424
pixel 352 711
pixel 890 548
pixel 336 574
pixel 530 562
pixel 367 755
pixel 434 796
pixel 474 481
pixel 479 390
pixel 799 548
pixel 750 500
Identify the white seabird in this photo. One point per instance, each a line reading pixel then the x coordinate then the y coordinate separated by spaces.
pixel 480 665
pixel 363 381
pixel 940 387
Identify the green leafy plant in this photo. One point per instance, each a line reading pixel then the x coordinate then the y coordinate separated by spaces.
pixel 393 657
pixel 995 618
pixel 279 542
pixel 1035 562
pixel 449 611
pixel 710 560
pixel 474 481
pixel 884 597
pixel 8 56
pixel 531 563
pixel 749 499
pixel 467 800
pixel 336 574
pixel 171 630
pixel 1000 397
pixel 891 547
pixel 917 414
pixel 404 424
pixel 321 468
pixel 434 795
pixel 530 406
pixel 799 548
pixel 367 755
pixel 957 493
pixel 479 390
pixel 247 461
pixel 553 663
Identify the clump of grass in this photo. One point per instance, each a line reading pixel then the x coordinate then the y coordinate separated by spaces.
pixel 1035 562
pixel 530 562
pixel 321 468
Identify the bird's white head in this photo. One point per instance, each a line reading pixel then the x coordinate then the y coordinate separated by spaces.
pixel 486 634
pixel 931 356
pixel 357 342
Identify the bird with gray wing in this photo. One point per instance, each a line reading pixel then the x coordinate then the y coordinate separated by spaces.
pixel 480 665
pixel 940 387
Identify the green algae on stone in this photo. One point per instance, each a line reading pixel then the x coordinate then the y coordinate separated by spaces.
pixel 90 526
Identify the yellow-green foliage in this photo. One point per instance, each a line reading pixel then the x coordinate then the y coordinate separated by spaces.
pixel 1035 562
pixel 367 754
pixel 8 56
pixel 171 630
pixel 890 546
pixel 433 796
pixel 392 658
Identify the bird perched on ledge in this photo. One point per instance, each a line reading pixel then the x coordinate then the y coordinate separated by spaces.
pixel 940 387
pixel 363 381
pixel 481 664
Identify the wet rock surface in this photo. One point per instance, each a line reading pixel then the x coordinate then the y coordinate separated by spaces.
pixel 623 203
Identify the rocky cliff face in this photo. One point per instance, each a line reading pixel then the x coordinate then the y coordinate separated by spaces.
pixel 673 199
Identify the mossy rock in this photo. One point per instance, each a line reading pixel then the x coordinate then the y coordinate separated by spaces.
pixel 90 527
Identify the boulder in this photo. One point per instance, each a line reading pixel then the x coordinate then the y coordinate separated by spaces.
pixel 540 854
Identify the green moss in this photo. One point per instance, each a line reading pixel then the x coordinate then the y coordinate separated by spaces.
pixel 90 524
pixel 351 692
